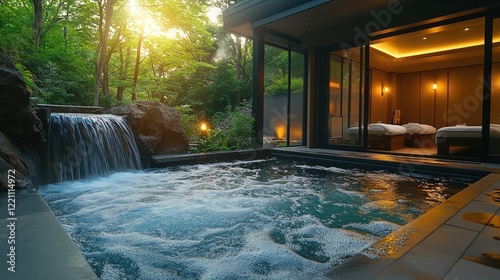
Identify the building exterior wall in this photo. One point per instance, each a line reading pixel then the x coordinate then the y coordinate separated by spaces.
pixel 456 99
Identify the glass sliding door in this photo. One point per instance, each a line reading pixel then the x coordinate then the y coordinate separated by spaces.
pixel 355 100
pixel 335 127
pixel 283 96
pixel 275 95
pixel 494 143
pixel 296 99
pixel 345 106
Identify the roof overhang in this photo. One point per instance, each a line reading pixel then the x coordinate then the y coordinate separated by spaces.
pixel 323 22
pixel 244 16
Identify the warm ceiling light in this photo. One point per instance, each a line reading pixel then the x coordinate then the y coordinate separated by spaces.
pixel 466 29
pixel 444 39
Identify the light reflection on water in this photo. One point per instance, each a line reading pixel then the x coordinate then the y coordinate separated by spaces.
pixel 246 220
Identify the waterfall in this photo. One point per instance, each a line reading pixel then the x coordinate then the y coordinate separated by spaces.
pixel 83 145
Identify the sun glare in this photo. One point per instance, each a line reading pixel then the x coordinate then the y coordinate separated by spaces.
pixel 141 19
pixel 134 8
pixel 213 15
pixel 148 26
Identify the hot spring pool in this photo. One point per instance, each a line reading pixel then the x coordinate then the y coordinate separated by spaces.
pixel 246 220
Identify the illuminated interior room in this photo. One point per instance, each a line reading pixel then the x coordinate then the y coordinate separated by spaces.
pixel 386 76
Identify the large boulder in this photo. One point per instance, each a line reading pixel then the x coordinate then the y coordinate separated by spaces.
pixel 13 91
pixel 21 131
pixel 17 118
pixel 157 128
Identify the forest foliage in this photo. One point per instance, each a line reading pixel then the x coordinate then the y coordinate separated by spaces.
pixel 95 52
pixel 110 52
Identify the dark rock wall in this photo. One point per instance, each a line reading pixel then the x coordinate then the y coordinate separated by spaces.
pixel 21 132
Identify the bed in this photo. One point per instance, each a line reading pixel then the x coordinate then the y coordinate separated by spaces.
pixel 381 136
pixel 465 136
pixel 420 135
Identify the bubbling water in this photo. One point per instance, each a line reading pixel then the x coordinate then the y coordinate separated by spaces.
pixel 244 220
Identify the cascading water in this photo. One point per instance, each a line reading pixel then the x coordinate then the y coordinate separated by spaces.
pixel 83 145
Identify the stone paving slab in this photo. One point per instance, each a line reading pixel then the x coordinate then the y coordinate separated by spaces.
pixel 42 248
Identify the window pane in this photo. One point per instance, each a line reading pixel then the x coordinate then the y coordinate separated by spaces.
pixel 275 95
pixel 296 99
pixel 334 101
pixel 283 97
pixel 354 119
pixel 495 92
pixel 344 106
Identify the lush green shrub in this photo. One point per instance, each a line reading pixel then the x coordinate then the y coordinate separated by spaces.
pixel 27 76
pixel 234 131
pixel 109 101
pixel 190 121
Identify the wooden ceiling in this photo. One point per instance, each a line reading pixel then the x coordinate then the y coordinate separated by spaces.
pixel 446 46
pixel 319 23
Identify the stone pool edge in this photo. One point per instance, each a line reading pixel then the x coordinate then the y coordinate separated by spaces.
pixel 43 249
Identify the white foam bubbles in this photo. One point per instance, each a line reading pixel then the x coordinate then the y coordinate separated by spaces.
pixel 244 220
pixel 325 168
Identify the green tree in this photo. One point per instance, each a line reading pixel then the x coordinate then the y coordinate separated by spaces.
pixel 165 50
pixel 106 8
pixel 16 21
pixel 57 59
pixel 276 71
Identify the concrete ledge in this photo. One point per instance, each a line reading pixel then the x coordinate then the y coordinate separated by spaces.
pixel 199 158
pixel 72 109
pixel 43 249
pixel 378 161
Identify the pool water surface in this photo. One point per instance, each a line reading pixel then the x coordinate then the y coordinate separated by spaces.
pixel 267 219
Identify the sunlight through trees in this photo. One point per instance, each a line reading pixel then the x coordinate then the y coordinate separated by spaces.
pixel 107 52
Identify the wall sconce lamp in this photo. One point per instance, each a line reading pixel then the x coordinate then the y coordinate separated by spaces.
pixel 434 86
pixel 384 89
